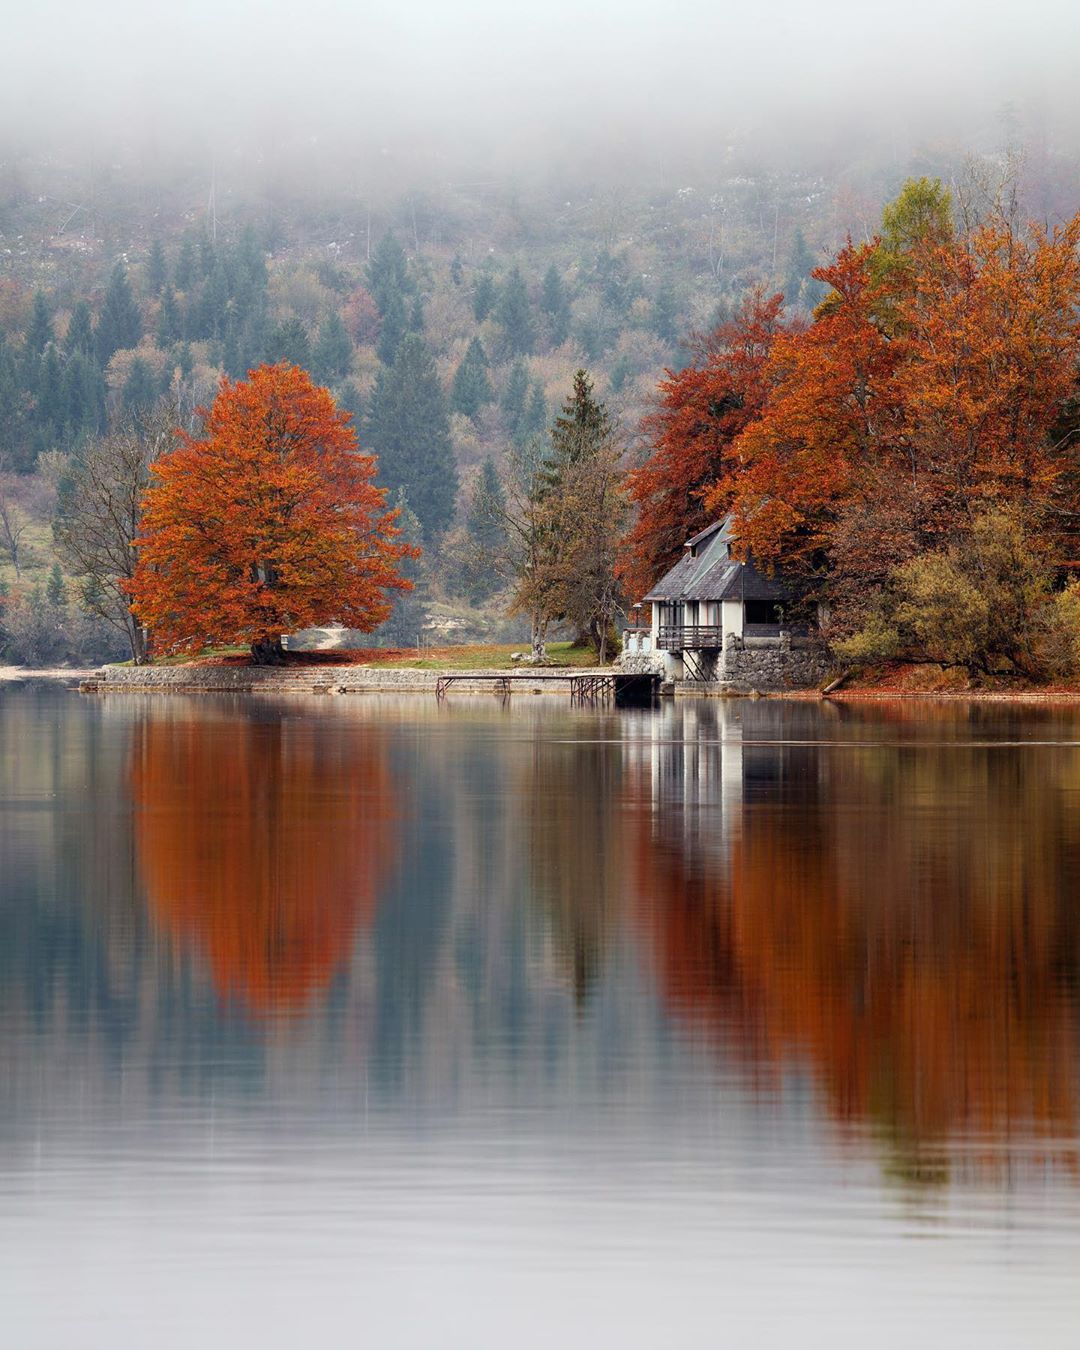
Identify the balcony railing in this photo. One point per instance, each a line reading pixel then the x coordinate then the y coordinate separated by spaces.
pixel 689 637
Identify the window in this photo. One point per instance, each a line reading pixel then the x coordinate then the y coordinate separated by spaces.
pixel 764 612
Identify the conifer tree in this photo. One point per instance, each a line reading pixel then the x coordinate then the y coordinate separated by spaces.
pixel 514 396
pixel 471 388
pixel 533 421
pixel 120 324
pixel 168 324
pixel 185 264
pixel 580 430
pixel 289 343
pixel 80 332
pixel 485 525
pixel 457 273
pixel 484 295
pixel 55 591
pixel 140 390
pixel 39 332
pixel 83 397
pixel 514 314
pixel 394 326
pixel 333 350
pixel 409 429
pixel 388 273
pixel 406 622
pixel 554 304
pixel 157 268
pixel 665 313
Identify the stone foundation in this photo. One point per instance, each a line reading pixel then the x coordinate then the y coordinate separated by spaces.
pixel 772 664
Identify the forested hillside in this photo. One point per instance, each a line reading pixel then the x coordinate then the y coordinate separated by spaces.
pixel 449 321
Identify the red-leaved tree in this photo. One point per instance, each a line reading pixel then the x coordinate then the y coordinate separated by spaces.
pixel 268 523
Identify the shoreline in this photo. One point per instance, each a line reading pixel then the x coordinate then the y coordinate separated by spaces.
pixel 345 679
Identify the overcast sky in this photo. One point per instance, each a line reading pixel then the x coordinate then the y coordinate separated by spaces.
pixel 487 76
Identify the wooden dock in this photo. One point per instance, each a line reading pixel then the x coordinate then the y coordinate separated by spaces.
pixel 622 689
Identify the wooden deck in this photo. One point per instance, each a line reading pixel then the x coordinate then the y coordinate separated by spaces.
pixel 623 689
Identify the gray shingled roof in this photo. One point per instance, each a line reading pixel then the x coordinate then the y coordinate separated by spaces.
pixel 713 574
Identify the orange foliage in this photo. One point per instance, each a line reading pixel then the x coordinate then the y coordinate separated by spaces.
pixel 702 410
pixel 923 972
pixel 262 842
pixel 269 523
pixel 912 401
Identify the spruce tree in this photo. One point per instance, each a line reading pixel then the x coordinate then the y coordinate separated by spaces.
pixel 80 332
pixel 157 268
pixel 665 313
pixel 554 304
pixel 289 342
pixel 83 397
pixel 533 421
pixel 333 352
pixel 168 324
pixel 799 287
pixel 484 295
pixel 582 428
pixel 388 273
pixel 120 324
pixel 186 264
pixel 514 396
pixel 55 591
pixel 457 272
pixel 39 332
pixel 471 388
pixel 409 429
pixel 514 314
pixel 416 315
pixel 406 622
pixel 392 329
pixel 485 525
pixel 140 390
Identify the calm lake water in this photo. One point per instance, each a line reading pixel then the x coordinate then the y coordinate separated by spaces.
pixel 371 1022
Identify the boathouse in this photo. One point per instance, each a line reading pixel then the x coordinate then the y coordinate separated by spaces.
pixel 716 619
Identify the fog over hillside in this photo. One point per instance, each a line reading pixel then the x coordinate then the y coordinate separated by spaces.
pixel 428 91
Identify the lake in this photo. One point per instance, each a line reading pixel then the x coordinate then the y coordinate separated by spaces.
pixel 373 1021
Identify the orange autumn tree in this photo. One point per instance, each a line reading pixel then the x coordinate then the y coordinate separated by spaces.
pixel 267 523
pixel 702 409
pixel 923 396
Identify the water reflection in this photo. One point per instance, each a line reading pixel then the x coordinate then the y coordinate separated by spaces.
pixel 262 843
pixel 544 913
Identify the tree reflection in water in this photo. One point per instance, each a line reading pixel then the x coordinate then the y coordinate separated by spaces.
pixel 262 839
pixel 901 920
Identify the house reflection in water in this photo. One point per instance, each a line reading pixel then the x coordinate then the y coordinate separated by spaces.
pixel 870 910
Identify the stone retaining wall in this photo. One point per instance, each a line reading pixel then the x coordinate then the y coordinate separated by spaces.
pixel 303 680
pixel 773 664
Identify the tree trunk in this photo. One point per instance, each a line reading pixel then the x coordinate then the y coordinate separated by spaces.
pixel 268 651
pixel 539 648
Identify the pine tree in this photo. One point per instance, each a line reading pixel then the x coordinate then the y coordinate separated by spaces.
pixel 514 313
pixel 185 264
pixel 39 332
pixel 55 591
pixel 484 295
pixel 514 396
pixel 393 328
pixel 80 332
pixel 799 286
pixel 406 622
pixel 533 421
pixel 554 304
pixel 289 342
pixel 580 430
pixel 83 397
pixel 120 324
pixel 471 388
pixel 388 273
pixel 157 268
pixel 333 352
pixel 665 313
pixel 485 525
pixel 168 324
pixel 409 429
pixel 140 390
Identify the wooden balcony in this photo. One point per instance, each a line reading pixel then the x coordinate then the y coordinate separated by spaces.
pixel 690 637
